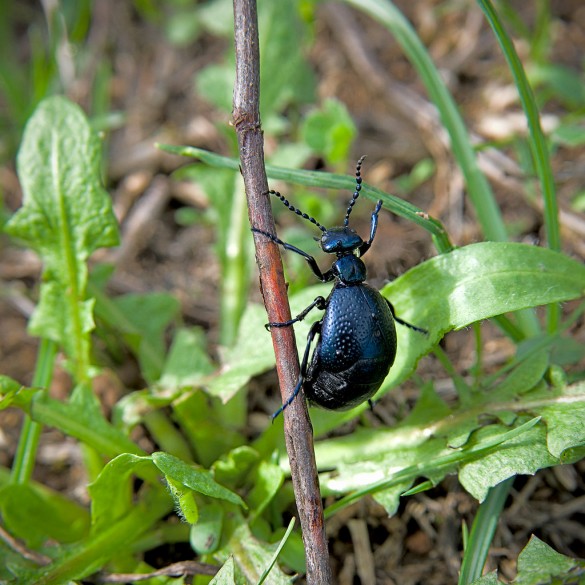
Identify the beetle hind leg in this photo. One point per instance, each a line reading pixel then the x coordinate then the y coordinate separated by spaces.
pixel 405 323
pixel 315 329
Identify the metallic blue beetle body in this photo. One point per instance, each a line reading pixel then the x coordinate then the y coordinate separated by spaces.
pixel 356 348
pixel 357 336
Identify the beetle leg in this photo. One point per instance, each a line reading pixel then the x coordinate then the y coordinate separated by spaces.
pixel 406 323
pixel 328 276
pixel 373 227
pixel 319 302
pixel 315 328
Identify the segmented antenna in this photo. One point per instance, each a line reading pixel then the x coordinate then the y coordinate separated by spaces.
pixel 358 188
pixel 297 211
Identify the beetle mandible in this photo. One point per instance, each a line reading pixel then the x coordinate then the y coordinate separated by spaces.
pixel 356 343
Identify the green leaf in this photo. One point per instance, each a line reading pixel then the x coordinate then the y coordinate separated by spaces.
pixel 252 557
pixel 565 420
pixel 523 455
pixel 285 76
pixel 251 355
pixel 266 481
pixel 215 84
pixel 76 421
pixel 199 480
pixel 330 131
pixel 145 318
pixel 111 492
pixel 36 514
pixel 66 215
pixel 538 563
pixel 225 575
pixel 188 361
pixel 489 579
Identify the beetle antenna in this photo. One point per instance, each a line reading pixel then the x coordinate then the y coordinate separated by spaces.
pixel 358 188
pixel 297 211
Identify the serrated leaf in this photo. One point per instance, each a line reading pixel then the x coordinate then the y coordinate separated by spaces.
pixel 522 455
pixel 199 480
pixel 66 215
pixel 565 419
pixel 539 563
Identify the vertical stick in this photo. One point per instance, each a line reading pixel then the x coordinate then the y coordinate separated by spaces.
pixel 297 425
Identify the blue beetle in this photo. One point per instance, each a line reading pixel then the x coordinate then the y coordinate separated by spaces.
pixel 356 343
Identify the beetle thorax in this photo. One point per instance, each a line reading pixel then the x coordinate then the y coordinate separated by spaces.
pixel 350 269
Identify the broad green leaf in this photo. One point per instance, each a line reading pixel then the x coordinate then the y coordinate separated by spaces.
pixel 36 514
pixel 538 563
pixel 199 480
pixel 111 492
pixel 112 541
pixel 473 283
pixel 389 461
pixel 66 215
pixel 251 355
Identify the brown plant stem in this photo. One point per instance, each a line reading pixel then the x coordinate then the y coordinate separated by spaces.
pixel 297 425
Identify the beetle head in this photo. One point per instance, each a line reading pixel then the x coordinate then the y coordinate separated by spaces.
pixel 340 240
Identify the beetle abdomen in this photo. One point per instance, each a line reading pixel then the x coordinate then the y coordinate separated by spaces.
pixel 356 349
pixel 357 325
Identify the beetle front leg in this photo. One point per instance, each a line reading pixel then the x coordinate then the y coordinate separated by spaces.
pixel 373 227
pixel 315 328
pixel 319 302
pixel 328 276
